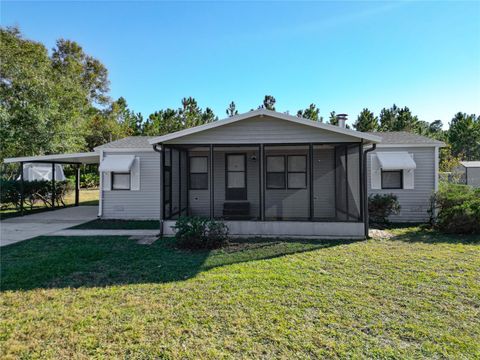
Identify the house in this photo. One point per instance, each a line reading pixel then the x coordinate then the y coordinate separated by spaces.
pixel 265 173
pixel 406 165
pixel 468 172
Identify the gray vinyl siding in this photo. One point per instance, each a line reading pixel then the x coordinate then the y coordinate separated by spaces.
pixel 141 204
pixel 414 202
pixel 266 130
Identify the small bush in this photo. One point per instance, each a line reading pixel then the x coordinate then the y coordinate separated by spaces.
pixel 457 209
pixel 34 192
pixel 89 180
pixel 200 233
pixel 381 206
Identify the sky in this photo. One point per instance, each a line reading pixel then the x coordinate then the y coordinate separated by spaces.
pixel 342 56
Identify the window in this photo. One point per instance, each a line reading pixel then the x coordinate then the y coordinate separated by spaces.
pixel 297 172
pixel 392 179
pixel 120 181
pixel 276 172
pixel 236 171
pixel 198 173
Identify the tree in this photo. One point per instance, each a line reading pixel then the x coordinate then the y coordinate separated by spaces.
pixel 232 110
pixel 448 162
pixel 70 61
pixel 312 113
pixel 333 120
pixel 129 122
pixel 268 103
pixel 366 121
pixel 464 136
pixel 167 121
pixel 398 119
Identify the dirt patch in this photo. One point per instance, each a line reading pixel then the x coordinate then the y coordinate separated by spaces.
pixel 380 234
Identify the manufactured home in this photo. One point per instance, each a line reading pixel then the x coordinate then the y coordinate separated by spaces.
pixel 264 173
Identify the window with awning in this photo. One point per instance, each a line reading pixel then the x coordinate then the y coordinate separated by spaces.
pixel 392 170
pixel 117 163
pixel 120 172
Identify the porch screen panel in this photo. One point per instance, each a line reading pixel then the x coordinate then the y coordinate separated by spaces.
pixel 167 183
pixel 353 192
pixel 341 202
pixel 183 182
pixel 175 184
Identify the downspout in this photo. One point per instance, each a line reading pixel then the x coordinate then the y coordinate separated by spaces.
pixel 365 189
pixel 155 148
pixel 100 199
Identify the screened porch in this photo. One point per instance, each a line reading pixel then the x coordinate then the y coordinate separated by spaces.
pixel 319 182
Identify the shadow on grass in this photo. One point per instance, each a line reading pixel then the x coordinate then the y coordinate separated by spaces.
pixel 119 224
pixel 427 235
pixel 58 262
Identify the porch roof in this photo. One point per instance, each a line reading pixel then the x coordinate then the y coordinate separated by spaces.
pixel 369 138
pixel 74 158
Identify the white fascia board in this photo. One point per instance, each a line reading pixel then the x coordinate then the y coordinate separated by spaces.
pixel 126 150
pixel 75 157
pixel 385 145
pixel 264 112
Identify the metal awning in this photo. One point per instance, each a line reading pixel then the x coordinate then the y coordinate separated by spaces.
pixel 75 158
pixel 117 163
pixel 396 161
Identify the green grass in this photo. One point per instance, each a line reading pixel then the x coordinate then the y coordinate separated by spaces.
pixel 119 224
pixel 414 296
pixel 87 198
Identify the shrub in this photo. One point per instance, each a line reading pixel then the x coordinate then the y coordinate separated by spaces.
pixel 381 206
pixel 200 233
pixel 89 180
pixel 457 209
pixel 34 191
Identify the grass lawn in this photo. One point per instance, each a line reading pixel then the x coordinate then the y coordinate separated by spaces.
pixel 87 197
pixel 414 296
pixel 119 224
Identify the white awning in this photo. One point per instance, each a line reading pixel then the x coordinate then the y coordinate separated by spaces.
pixel 396 161
pixel 117 163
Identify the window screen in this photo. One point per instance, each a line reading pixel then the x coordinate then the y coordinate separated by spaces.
pixel 276 172
pixel 392 179
pixel 198 173
pixel 121 181
pixel 297 172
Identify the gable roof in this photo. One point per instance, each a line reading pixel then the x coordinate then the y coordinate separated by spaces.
pixel 405 138
pixel 264 112
pixel 130 142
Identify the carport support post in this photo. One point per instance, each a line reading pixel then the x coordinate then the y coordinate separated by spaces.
pixel 53 185
pixel 22 195
pixel 77 185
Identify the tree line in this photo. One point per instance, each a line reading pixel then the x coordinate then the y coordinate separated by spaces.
pixel 58 101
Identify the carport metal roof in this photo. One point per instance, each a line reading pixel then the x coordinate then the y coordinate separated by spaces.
pixel 75 158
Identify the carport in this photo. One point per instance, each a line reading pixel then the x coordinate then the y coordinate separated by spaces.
pixel 75 159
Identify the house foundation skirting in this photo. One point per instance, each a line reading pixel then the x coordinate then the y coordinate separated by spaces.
pixel 303 229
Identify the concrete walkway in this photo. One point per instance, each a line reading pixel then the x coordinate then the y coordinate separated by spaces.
pixel 102 232
pixel 45 223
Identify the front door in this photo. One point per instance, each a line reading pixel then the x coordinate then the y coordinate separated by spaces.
pixel 236 177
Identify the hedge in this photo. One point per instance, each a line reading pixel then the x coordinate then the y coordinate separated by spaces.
pixel 34 192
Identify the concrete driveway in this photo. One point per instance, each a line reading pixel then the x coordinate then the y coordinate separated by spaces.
pixel 25 227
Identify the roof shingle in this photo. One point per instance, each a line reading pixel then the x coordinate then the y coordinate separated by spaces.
pixel 403 137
